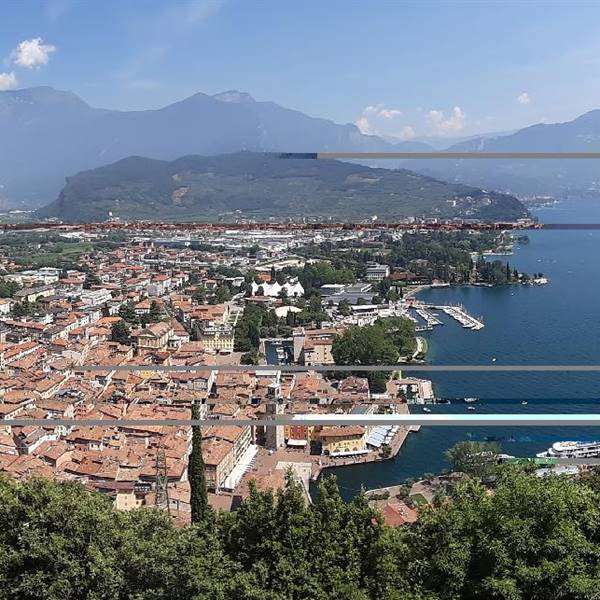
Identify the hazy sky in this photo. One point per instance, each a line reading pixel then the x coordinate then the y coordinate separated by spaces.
pixel 399 68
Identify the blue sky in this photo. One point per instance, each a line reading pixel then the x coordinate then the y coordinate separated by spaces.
pixel 398 68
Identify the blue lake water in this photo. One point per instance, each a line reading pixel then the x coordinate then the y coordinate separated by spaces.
pixel 554 324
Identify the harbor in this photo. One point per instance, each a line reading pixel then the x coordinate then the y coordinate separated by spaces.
pixel 526 323
pixel 428 317
pixel 460 314
pixel 456 312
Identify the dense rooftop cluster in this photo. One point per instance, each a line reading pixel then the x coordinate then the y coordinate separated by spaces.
pixel 153 301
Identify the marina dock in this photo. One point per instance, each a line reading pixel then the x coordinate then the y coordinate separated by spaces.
pixel 429 318
pixel 462 316
pixel 458 313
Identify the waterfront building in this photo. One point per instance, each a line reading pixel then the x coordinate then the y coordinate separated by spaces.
pixel 343 440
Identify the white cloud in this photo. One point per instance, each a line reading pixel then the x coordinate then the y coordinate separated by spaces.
pixel 8 81
pixel 364 126
pixel 407 133
pixel 32 53
pixel 379 110
pixel 523 98
pixel 442 125
pixel 376 119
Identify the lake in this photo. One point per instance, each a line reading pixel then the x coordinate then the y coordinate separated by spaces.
pixel 554 324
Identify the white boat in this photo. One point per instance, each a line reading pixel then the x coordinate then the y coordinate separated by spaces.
pixel 524 403
pixel 572 450
pixel 471 400
pixel 470 408
pixel 425 409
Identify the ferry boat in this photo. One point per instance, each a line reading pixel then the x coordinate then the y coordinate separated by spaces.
pixel 572 450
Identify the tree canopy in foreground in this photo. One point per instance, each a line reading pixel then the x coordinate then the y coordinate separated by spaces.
pixel 530 538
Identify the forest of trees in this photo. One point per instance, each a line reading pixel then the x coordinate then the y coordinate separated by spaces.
pixel 382 343
pixel 256 322
pixel 527 539
pixel 313 276
pixel 433 255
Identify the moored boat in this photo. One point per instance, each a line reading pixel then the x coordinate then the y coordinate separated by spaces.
pixel 572 450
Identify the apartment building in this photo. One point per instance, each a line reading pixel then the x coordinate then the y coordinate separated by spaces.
pixel 343 440
pixel 155 337
pixel 377 272
pixel 216 337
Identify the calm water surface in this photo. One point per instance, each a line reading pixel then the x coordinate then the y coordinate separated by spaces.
pixel 554 324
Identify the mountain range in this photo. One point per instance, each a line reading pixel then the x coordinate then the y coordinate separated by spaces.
pixel 528 177
pixel 263 186
pixel 47 135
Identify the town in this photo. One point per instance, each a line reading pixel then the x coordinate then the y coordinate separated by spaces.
pixel 262 298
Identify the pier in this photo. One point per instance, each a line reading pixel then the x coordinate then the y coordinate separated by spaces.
pixel 429 318
pixel 458 313
pixel 462 316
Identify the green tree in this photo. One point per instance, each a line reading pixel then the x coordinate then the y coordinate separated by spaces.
pixel 196 476
pixel 313 276
pixel 199 295
pixel 127 312
pixel 53 538
pixel 222 294
pixel 8 288
pixel 156 312
pixel 119 332
pixel 401 332
pixel 250 358
pixel 23 309
pixel 366 346
pixel 283 296
pixel 344 308
pixel 247 330
pixel 91 279
pixel 478 459
pixel 529 538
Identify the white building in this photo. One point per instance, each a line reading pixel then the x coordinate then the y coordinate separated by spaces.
pixel 293 289
pixel 95 297
pixel 5 306
pixel 377 272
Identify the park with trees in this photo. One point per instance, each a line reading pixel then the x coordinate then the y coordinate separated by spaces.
pixel 382 343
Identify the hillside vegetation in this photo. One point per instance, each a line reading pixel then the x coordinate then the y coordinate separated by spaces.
pixel 264 186
pixel 529 539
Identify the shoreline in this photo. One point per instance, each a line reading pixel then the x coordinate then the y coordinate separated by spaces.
pixel 373 456
pixel 428 286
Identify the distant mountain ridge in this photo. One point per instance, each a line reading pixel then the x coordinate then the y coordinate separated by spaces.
pixel 529 177
pixel 49 134
pixel 249 185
